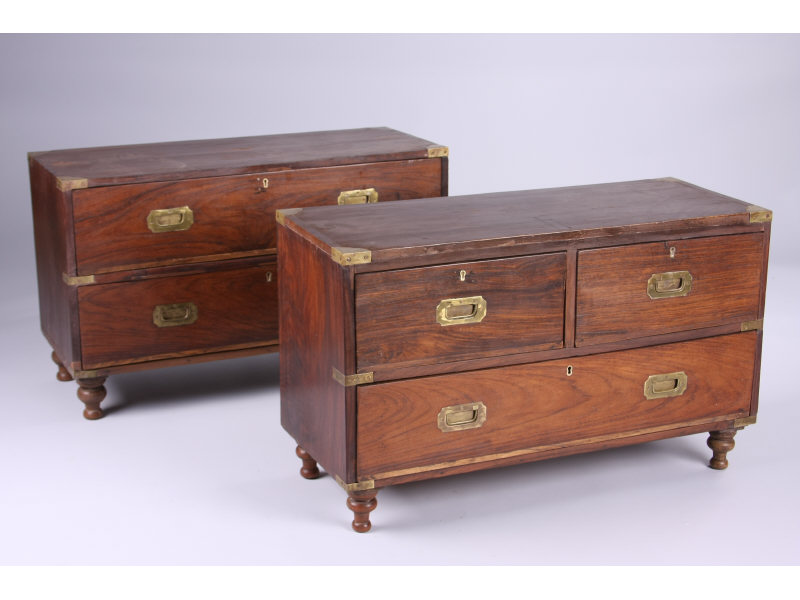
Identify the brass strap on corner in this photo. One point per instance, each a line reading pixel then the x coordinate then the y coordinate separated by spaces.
pixel 351 380
pixel 759 214
pixel 744 422
pixel 358 486
pixel 751 325
pixel 77 280
pixel 351 256
pixel 438 152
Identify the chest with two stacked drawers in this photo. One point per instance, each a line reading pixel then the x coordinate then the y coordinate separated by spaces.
pixel 162 254
pixel 433 337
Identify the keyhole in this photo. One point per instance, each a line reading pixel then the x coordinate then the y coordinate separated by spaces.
pixel 269 276
pixel 672 251
pixel 462 275
pixel 569 370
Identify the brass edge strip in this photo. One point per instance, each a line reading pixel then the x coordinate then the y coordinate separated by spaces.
pixel 350 380
pixel 66 184
pixel 750 325
pixel 537 449
pixel 84 374
pixel 368 484
pixel 438 152
pixel 350 256
pixel 759 214
pixel 744 422
pixel 282 213
pixel 81 280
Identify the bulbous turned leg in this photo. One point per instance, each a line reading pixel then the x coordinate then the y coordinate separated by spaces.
pixel 63 374
pixel 721 442
pixel 309 470
pixel 362 503
pixel 91 392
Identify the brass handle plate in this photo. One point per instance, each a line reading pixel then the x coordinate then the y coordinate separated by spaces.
pixel 460 311
pixel 665 385
pixel 172 315
pixel 367 196
pixel 461 416
pixel 669 285
pixel 170 219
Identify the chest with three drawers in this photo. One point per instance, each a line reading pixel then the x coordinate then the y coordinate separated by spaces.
pixel 162 254
pixel 434 337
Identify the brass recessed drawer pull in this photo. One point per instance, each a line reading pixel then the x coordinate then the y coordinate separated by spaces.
pixel 462 416
pixel 460 311
pixel 367 196
pixel 665 385
pixel 170 219
pixel 669 285
pixel 171 315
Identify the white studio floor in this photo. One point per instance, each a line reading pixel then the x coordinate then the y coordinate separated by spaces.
pixel 191 467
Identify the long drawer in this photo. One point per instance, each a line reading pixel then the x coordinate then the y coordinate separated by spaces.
pixel 179 315
pixel 435 422
pixel 460 311
pixel 128 226
pixel 651 289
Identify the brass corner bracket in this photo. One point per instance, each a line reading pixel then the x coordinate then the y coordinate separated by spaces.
pixel 744 422
pixel 66 184
pixel 438 152
pixel 750 325
pixel 351 380
pixel 351 256
pixel 759 214
pixel 80 280
pixel 359 486
pixel 281 214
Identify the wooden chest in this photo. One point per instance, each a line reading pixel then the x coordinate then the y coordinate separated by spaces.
pixel 440 336
pixel 161 254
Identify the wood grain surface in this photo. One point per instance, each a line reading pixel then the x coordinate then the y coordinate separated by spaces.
pixel 236 308
pixel 396 311
pixel 539 404
pixel 231 214
pixel 612 299
pixel 167 161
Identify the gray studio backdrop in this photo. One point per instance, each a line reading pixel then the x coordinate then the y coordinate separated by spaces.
pixel 517 111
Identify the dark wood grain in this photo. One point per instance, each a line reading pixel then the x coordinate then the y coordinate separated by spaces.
pixel 396 311
pixel 313 300
pixel 236 308
pixel 443 226
pixel 612 300
pixel 166 161
pixel 231 214
pixel 537 405
pixel 720 442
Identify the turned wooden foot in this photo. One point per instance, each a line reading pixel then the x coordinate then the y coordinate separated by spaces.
pixel 63 374
pixel 91 392
pixel 721 442
pixel 309 470
pixel 362 503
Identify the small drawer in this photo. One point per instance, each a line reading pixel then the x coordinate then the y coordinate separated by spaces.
pixel 460 311
pixel 434 422
pixel 146 224
pixel 176 316
pixel 641 290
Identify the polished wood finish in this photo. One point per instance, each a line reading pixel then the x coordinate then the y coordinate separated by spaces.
pixel 362 503
pixel 235 308
pixel 536 405
pixel 720 442
pixel 102 271
pixel 613 303
pixel 396 317
pixel 111 232
pixel 596 377
pixel 63 374
pixel 91 392
pixel 309 470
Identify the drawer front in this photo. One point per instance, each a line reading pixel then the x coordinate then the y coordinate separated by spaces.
pixel 434 422
pixel 429 315
pixel 177 316
pixel 121 227
pixel 650 289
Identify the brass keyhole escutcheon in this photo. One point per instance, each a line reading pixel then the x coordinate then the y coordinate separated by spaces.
pixel 569 370
pixel 672 251
pixel 269 276
pixel 462 275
